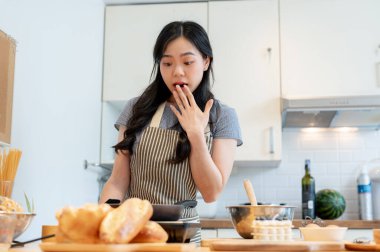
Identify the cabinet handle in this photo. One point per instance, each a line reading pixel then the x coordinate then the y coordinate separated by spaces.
pixel 378 73
pixel 269 50
pixel 271 140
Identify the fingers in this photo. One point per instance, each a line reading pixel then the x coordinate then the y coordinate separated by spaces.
pixel 175 111
pixel 178 100
pixel 189 96
pixel 182 98
pixel 209 106
pixel 185 99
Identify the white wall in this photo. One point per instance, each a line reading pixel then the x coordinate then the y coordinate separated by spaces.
pixel 57 101
pixel 335 161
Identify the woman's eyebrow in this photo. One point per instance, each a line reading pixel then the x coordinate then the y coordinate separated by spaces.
pixel 187 53
pixel 182 55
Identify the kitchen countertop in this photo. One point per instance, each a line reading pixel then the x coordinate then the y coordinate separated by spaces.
pixel 34 247
pixel 352 224
pixel 205 246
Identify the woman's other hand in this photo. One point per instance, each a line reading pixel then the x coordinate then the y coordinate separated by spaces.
pixel 190 116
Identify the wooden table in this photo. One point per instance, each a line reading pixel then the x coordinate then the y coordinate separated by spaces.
pixel 236 245
pixel 239 244
pixel 34 247
pixel 351 224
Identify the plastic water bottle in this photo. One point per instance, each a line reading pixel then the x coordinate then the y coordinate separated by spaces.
pixel 364 193
pixel 374 175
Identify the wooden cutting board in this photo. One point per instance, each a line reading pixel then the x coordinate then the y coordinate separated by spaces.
pixel 255 245
pixel 362 247
pixel 136 247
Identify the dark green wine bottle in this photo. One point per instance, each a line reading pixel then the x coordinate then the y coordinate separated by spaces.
pixel 308 193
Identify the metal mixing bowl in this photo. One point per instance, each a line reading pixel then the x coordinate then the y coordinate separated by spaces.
pixel 243 216
pixel 22 221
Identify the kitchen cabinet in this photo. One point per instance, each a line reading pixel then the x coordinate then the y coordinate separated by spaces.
pixel 244 37
pixel 330 47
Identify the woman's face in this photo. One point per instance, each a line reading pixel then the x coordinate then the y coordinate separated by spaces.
pixel 182 64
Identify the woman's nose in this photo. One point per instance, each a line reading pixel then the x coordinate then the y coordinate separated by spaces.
pixel 178 70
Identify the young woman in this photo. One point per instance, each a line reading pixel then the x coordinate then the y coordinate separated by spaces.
pixel 175 138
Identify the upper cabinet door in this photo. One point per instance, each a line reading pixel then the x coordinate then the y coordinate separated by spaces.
pixel 244 37
pixel 330 47
pixel 130 35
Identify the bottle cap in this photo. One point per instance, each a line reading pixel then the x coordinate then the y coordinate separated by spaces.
pixel 364 169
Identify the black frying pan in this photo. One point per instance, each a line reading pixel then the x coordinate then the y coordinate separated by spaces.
pixel 164 212
pixel 167 212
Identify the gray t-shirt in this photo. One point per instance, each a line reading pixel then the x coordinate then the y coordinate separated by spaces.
pixel 224 121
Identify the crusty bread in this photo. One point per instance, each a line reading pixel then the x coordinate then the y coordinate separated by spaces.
pixel 151 232
pixel 376 236
pixel 81 224
pixel 125 222
pixel 60 237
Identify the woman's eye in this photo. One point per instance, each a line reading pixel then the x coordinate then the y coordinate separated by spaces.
pixel 166 64
pixel 188 62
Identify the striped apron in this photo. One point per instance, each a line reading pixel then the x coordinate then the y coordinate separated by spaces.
pixel 154 178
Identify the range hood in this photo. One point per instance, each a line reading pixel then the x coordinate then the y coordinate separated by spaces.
pixel 343 111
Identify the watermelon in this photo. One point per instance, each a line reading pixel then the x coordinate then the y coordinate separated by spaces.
pixel 329 204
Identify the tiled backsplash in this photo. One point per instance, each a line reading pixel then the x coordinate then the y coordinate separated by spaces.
pixel 336 158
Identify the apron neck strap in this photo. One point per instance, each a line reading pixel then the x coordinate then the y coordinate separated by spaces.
pixel 157 116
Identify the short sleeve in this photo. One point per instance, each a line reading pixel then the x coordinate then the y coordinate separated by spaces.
pixel 126 113
pixel 226 123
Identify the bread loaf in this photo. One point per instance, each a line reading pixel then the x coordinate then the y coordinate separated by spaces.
pixel 81 224
pixel 125 222
pixel 150 233
pixel 376 236
pixel 94 223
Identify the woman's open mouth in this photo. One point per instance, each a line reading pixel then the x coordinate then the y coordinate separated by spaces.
pixel 180 84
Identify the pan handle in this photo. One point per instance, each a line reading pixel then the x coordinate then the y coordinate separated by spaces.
pixel 184 203
pixel 113 202
pixel 187 203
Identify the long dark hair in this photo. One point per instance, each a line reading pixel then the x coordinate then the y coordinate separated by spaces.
pixel 157 92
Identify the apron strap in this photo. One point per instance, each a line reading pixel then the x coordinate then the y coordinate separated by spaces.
pixel 207 129
pixel 157 116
